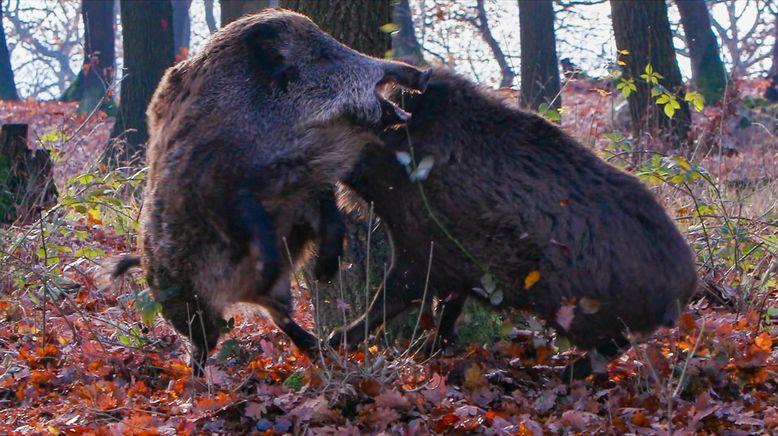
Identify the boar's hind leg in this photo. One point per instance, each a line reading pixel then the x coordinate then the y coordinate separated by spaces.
pixel 331 234
pixel 278 306
pixel 194 320
pixel 253 222
pixel 596 360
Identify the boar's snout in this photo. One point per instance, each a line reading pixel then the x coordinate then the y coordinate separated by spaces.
pixel 405 75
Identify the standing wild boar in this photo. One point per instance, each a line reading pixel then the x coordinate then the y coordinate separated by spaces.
pixel 246 141
pixel 580 243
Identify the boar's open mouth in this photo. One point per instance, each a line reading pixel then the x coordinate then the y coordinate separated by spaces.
pixel 404 76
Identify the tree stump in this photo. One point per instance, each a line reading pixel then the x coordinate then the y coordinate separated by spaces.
pixel 26 182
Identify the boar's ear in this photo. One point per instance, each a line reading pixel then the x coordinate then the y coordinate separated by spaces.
pixel 264 41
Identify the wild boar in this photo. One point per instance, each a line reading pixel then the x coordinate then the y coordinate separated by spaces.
pixel 247 139
pixel 511 197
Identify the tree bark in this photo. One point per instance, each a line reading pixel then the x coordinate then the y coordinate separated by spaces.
pixel 708 71
pixel 641 27
pixel 539 64
pixel 7 83
pixel 26 182
pixel 404 42
pixel 771 93
pixel 482 23
pixel 91 85
pixel 148 51
pixel 210 20
pixel 231 10
pixel 356 24
pixel 181 28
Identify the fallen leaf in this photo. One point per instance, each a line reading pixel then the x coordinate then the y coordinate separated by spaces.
pixel 532 278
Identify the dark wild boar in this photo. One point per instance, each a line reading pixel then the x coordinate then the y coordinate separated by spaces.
pixel 247 139
pixel 522 198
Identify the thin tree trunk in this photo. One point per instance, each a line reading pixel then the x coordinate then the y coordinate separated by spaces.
pixel 539 65
pixel 482 23
pixel 148 51
pixel 181 27
pixel 210 20
pixel 771 93
pixel 641 27
pixel 7 83
pixel 97 73
pixel 404 42
pixel 231 10
pixel 708 71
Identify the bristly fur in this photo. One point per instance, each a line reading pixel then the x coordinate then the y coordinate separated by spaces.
pixel 247 139
pixel 521 196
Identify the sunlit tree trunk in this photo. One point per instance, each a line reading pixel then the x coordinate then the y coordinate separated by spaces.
pixel 91 86
pixel 708 71
pixel 641 28
pixel 404 42
pixel 148 51
pixel 539 65
pixel 181 27
pixel 7 83
pixel 231 10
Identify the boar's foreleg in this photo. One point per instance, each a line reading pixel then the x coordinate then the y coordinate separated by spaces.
pixel 332 231
pixel 193 319
pixel 278 306
pixel 253 222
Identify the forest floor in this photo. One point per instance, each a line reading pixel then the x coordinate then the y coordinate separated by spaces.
pixel 79 356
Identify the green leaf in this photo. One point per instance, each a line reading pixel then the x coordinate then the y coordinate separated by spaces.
pixel 296 381
pixel 669 110
pixel 389 28
pixel 230 347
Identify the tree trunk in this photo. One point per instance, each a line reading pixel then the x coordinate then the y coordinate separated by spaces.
pixel 26 182
pixel 708 71
pixel 91 85
pixel 404 42
pixel 7 83
pixel 210 20
pixel 771 93
pixel 148 51
pixel 539 65
pixel 356 24
pixel 231 10
pixel 181 28
pixel 641 27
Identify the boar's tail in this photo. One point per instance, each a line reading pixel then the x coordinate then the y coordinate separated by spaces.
pixel 119 265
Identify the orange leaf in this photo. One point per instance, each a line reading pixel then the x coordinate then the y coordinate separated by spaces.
pixel 370 387
pixel 764 342
pixel 531 279
pixel 640 419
